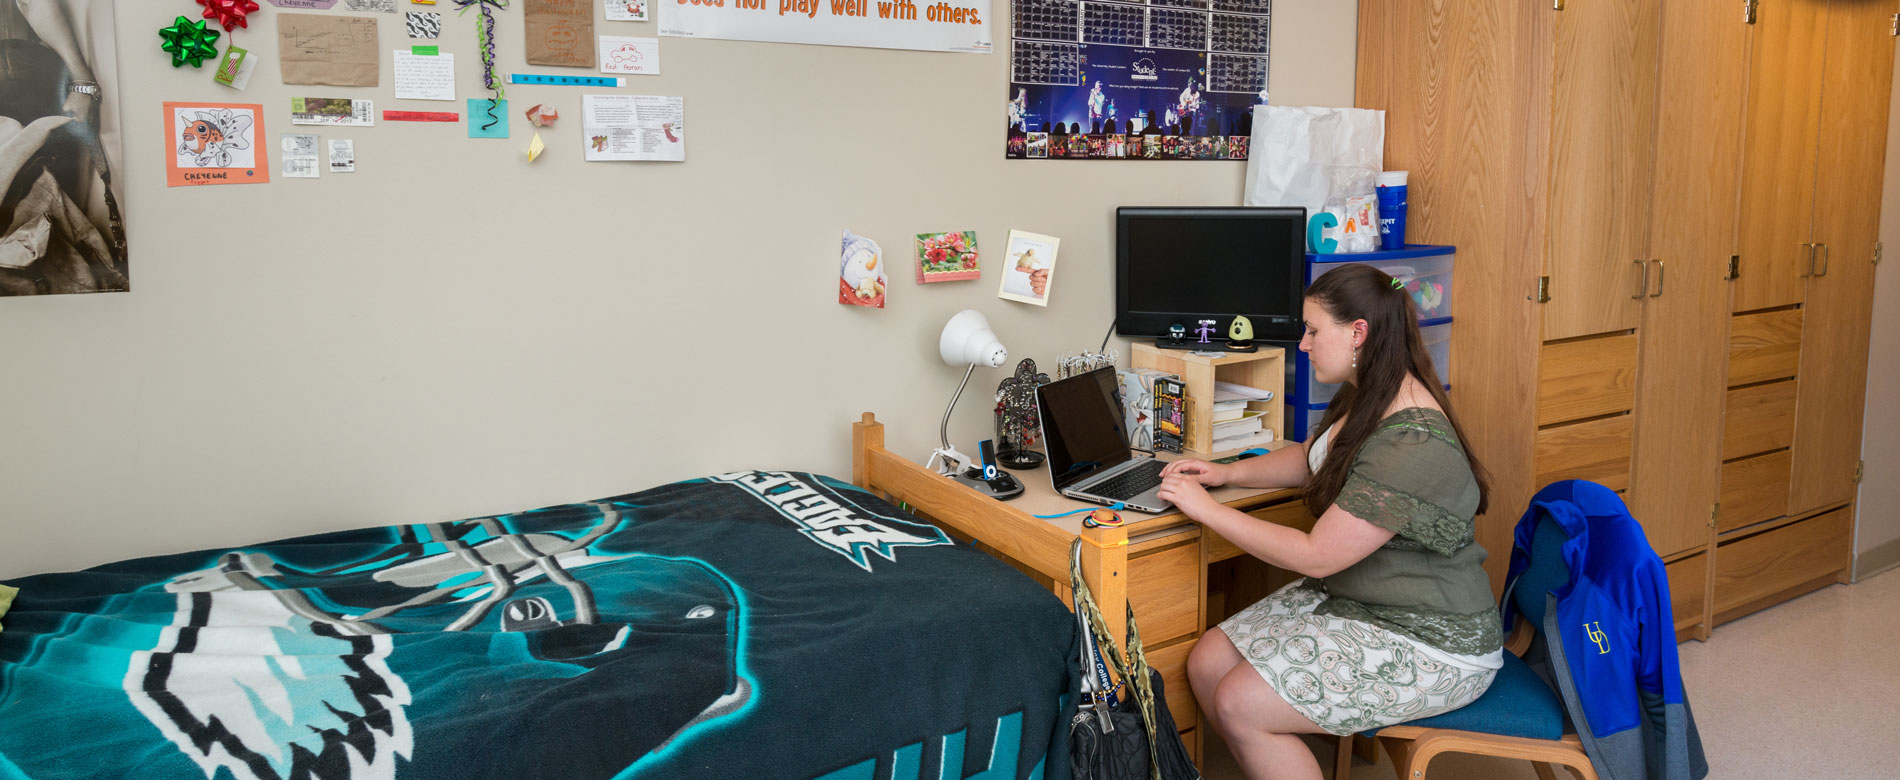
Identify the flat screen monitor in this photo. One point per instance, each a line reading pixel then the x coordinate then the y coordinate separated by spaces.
pixel 1180 265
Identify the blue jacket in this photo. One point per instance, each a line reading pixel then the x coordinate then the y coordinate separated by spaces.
pixel 1610 637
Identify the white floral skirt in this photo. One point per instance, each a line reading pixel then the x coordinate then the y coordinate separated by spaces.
pixel 1348 676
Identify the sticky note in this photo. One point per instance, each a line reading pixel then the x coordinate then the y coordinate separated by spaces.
pixel 483 124
pixel 425 51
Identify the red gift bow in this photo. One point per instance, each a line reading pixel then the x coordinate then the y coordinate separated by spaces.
pixel 230 13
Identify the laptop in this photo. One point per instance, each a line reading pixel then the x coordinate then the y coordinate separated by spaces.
pixel 1087 445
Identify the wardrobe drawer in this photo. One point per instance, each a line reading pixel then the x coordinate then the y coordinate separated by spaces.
pixel 1764 346
pixel 1171 662
pixel 1586 378
pixel 1755 571
pixel 1754 489
pixel 1164 588
pixel 1597 450
pixel 1758 419
pixel 1688 591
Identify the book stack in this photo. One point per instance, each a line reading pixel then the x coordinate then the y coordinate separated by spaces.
pixel 1234 425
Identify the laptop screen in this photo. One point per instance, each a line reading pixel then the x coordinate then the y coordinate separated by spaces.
pixel 1082 425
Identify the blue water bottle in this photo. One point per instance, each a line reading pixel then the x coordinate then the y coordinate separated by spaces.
pixel 1392 210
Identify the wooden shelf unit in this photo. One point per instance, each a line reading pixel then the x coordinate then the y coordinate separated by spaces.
pixel 1265 370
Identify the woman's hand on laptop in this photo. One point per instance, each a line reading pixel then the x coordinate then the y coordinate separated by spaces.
pixel 1203 472
pixel 1188 494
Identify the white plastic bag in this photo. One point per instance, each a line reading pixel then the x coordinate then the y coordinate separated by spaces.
pixel 1305 156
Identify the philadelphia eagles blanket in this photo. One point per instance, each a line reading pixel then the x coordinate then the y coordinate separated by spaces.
pixel 748 625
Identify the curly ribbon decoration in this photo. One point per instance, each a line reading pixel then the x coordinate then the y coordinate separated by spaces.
pixel 485 35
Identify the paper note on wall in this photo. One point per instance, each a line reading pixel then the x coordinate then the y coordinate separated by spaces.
pixel 336 50
pixel 633 127
pixel 425 77
pixel 342 155
pixel 300 156
pixel 561 32
pixel 630 55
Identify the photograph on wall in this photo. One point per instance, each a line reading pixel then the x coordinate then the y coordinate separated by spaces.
pixel 60 151
pixel 861 278
pixel 947 257
pixel 1107 80
pixel 215 143
pixel 1029 267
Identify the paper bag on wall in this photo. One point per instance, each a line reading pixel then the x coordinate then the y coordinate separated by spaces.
pixel 561 32
pixel 336 50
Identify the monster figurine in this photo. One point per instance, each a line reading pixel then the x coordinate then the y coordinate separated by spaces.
pixel 1240 335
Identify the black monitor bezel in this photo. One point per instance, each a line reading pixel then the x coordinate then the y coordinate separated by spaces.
pixel 1267 326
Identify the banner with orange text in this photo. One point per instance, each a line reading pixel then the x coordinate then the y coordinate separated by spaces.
pixel 929 25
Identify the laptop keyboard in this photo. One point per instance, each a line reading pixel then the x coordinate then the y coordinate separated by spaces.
pixel 1131 483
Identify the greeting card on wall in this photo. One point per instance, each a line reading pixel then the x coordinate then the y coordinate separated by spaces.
pixel 627 10
pixel 947 257
pixel 861 279
pixel 214 143
pixel 1029 267
pixel 561 32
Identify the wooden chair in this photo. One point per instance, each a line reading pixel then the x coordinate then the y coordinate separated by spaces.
pixel 1519 716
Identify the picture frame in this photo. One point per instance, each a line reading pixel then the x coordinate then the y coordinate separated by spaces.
pixel 1029 267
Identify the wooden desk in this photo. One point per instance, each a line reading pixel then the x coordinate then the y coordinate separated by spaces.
pixel 1157 563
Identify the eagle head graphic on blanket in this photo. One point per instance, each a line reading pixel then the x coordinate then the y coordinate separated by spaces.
pixel 270 671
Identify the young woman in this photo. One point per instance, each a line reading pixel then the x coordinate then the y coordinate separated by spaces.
pixel 1394 620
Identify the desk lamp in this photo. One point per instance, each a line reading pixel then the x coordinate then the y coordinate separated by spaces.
pixel 968 340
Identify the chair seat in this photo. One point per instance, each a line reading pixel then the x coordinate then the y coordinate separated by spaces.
pixel 1518 704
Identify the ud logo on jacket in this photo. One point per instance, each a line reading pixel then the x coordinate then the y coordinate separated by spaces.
pixel 1595 629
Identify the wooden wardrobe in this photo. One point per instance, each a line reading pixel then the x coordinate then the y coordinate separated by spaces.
pixel 1667 217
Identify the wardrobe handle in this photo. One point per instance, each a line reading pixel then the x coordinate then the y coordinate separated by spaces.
pixel 1810 271
pixel 1642 290
pixel 1825 254
pixel 1659 279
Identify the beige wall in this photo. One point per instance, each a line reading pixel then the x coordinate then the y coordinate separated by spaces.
pixel 451 331
pixel 1877 538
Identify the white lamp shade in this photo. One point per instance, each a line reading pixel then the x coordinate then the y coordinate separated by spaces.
pixel 967 339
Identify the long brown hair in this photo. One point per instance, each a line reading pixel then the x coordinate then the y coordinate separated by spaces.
pixel 1392 349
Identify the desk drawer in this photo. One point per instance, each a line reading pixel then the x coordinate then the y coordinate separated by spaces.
pixel 1165 589
pixel 1291 514
pixel 1171 662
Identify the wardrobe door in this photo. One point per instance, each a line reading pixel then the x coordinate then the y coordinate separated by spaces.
pixel 1787 48
pixel 1857 86
pixel 1683 356
pixel 1603 108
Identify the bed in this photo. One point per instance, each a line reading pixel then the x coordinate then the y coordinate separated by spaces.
pixel 754 624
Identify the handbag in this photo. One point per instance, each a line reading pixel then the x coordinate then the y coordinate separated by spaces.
pixel 1126 737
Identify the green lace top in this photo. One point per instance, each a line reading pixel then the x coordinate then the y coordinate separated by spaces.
pixel 1428 582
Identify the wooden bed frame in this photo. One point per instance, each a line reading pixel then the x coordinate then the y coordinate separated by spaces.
pixel 1161 561
pixel 1029 542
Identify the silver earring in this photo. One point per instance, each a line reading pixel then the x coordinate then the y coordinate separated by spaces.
pixel 1355 356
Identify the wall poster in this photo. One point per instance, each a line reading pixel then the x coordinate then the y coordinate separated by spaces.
pixel 1136 79
pixel 60 154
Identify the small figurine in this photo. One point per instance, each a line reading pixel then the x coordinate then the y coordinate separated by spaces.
pixel 1176 333
pixel 1240 334
pixel 1207 328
